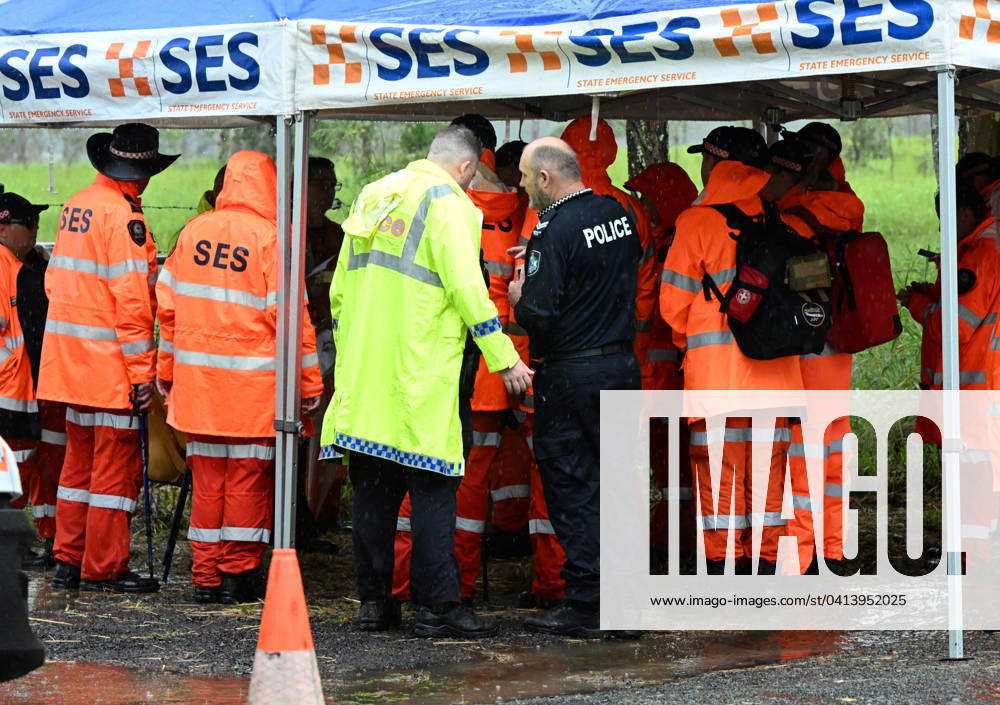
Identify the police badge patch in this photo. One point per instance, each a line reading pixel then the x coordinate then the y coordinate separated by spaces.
pixel 137 231
pixel 534 260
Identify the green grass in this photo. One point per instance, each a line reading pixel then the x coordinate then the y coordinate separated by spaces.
pixel 169 201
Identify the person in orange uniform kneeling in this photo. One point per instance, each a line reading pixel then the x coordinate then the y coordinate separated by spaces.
pixel 98 357
pixel 218 306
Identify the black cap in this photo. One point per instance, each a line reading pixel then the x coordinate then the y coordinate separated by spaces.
pixel 739 144
pixel 822 135
pixel 130 153
pixel 792 154
pixel 975 164
pixel 480 127
pixel 14 208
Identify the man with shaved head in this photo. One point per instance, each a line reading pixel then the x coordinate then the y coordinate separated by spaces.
pixel 576 301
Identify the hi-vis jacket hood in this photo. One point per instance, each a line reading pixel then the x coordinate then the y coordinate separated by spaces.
pixel 701 246
pixel 218 295
pixel 407 289
pixel 595 157
pixel 250 185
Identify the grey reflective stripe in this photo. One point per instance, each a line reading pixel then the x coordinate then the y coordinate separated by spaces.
pixel 540 526
pixel 661 354
pixel 514 328
pixel 994 342
pixel 530 440
pixel 54 438
pixel 500 269
pixel 831 489
pixel 204 535
pixel 714 522
pixel 4 322
pixel 482 438
pixel 43 510
pixel 473 526
pixel 334 324
pixel 930 310
pixel 825 352
pixel 12 404
pixel 14 342
pixel 102 418
pixel 24 454
pixel 800 502
pixel 511 492
pixel 219 293
pixel 110 501
pixel 928 372
pixel 681 281
pixel 683 493
pixel 834 446
pixel 241 533
pixel 743 435
pixel 310 360
pixel 224 362
pixel 395 263
pixel 769 519
pixel 71 494
pixel 718 337
pixel 166 346
pixel 77 330
pixel 138 347
pixel 5 354
pixel 723 276
pixel 806 450
pixel 86 266
pixel 964 377
pixel 239 451
pixel 405 263
pixel 969 316
pixel 649 251
pixel 403 524
pixel 643 326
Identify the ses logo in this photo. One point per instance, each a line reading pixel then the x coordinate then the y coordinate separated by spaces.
pixel 205 64
pixel 423 52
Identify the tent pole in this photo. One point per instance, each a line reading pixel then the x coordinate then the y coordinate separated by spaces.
pixel 286 436
pixel 952 445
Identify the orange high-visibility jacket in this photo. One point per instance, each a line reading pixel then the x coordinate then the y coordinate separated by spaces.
pixel 978 307
pixel 503 213
pixel 17 389
pixel 218 296
pixel 841 211
pixel 595 158
pixel 99 331
pixel 671 192
pixel 702 245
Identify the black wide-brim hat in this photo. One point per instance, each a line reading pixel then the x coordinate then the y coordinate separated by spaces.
pixel 130 153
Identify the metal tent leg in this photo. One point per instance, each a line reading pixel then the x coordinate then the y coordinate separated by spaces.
pixel 952 445
pixel 290 164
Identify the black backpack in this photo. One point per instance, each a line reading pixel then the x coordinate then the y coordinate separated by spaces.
pixel 779 301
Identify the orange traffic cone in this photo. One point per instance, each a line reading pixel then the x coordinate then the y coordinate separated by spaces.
pixel 284 668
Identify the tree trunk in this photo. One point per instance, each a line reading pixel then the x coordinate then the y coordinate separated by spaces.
pixel 979 134
pixel 648 143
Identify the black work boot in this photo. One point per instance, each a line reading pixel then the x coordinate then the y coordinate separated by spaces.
pixel 38 561
pixel 380 615
pixel 207 595
pixel 128 582
pixel 240 587
pixel 67 576
pixel 566 620
pixel 452 620
pixel 766 567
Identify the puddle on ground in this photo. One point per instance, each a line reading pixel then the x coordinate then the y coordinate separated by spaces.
pixel 80 683
pixel 524 672
pixel 505 673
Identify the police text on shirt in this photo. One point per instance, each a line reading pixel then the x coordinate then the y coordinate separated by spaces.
pixel 607 232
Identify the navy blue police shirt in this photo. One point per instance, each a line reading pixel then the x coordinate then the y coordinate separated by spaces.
pixel 580 271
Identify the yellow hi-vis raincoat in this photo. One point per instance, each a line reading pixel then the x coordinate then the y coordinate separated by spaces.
pixel 407 287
